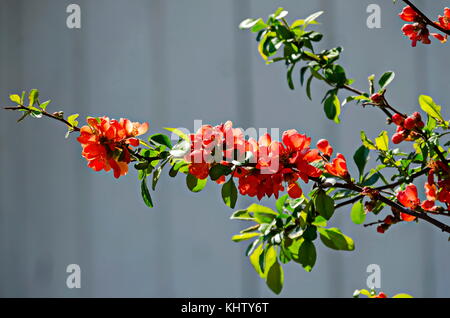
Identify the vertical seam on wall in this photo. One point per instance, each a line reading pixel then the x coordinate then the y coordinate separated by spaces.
pixel 245 115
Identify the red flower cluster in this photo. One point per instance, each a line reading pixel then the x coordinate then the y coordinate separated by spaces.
pixel 212 145
pixel 418 30
pixel 444 21
pixel 105 143
pixel 406 126
pixel 265 166
pixel 434 191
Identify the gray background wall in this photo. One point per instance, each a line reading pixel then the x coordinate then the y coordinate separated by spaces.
pixel 170 62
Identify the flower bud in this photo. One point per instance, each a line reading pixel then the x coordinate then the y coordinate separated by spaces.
pixel 376 98
pixel 397 138
pixel 420 124
pixel 389 220
pixel 398 119
pixel 409 123
pixel 369 206
pixel 417 116
pixel 382 228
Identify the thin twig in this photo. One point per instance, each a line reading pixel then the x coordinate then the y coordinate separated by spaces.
pixel 46 114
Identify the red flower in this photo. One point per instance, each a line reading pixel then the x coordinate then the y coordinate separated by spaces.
pixel 199 170
pixel 418 31
pixel 429 205
pixel 295 141
pixel 409 199
pixel 444 192
pixel 105 143
pixel 294 190
pixel 324 146
pixel 409 15
pixel 338 167
pixel 444 22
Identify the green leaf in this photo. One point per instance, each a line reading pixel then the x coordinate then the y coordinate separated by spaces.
pixel 161 139
pixel 307 255
pixel 336 74
pixel 364 292
pixel 156 176
pixel 33 96
pixel 261 213
pixel 324 205
pixel 430 107
pixel 289 77
pixel 25 114
pixel 332 108
pixel 218 171
pixel 431 124
pixel 320 221
pixel 194 184
pixel 367 142
pixel 229 193
pixel 265 257
pixel 244 237
pixel 386 79
pixel 382 141
pixel 254 259
pixel 312 18
pixel 403 295
pixel 179 133
pixel 44 105
pixel 72 119
pixel 371 79
pixel 294 248
pixel 357 214
pixel 35 112
pixel 146 194
pixel 15 99
pixel 334 239
pixel 280 13
pixel 280 203
pixel 259 26
pixel 275 278
pixel 176 167
pixel 247 23
pixel 361 157
pixel 308 87
pixel 180 149
pixel 252 246
pixel 241 215
pixel 255 25
pixel 141 166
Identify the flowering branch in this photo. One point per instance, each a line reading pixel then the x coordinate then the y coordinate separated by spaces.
pixel 426 19
pixel 266 167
